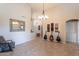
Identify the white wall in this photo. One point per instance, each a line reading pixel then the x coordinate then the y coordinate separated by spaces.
pixel 15 11
pixel 60 14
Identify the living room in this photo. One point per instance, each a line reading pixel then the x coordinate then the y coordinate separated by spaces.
pixel 24 34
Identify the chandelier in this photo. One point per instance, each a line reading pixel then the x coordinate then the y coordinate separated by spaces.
pixel 43 16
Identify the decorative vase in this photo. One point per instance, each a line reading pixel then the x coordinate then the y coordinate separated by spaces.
pixel 51 37
pixel 45 36
pixel 58 39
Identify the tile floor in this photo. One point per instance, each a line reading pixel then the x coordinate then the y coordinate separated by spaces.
pixel 40 47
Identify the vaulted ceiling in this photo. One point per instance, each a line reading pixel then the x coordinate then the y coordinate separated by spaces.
pixel 50 6
pixel 54 9
pixel 39 6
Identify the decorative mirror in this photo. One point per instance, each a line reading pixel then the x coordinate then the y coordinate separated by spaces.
pixel 56 27
pixel 48 27
pixel 39 27
pixel 52 26
pixel 16 25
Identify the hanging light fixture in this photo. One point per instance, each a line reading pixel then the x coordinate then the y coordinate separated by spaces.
pixel 43 16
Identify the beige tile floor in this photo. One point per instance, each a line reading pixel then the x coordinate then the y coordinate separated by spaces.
pixel 40 47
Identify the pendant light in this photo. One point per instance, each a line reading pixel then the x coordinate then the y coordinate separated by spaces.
pixel 43 16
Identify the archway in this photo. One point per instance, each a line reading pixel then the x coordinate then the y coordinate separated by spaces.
pixel 72 27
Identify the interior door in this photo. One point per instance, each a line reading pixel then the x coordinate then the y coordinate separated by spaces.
pixel 78 33
pixel 72 32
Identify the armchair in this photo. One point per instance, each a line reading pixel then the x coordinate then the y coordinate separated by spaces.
pixel 6 45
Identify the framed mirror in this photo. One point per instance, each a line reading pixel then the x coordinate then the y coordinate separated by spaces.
pixel 17 25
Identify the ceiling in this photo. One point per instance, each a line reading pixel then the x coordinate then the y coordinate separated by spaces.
pixel 51 8
pixel 39 6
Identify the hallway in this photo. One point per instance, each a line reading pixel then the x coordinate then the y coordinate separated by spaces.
pixel 40 47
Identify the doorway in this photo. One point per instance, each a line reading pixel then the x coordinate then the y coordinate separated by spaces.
pixel 72 31
pixel 38 28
